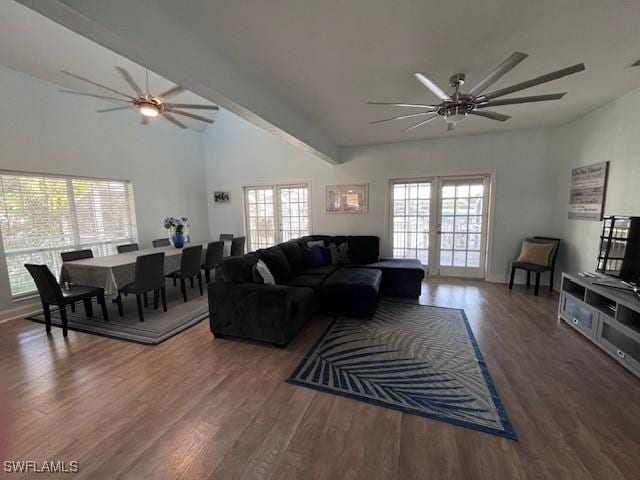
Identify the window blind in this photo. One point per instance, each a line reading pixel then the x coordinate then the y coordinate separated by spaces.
pixel 42 216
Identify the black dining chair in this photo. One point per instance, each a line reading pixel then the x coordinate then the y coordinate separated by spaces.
pixel 190 264
pixel 51 294
pixel 149 276
pixel 226 237
pixel 128 247
pixel 538 269
pixel 160 242
pixel 76 255
pixel 213 256
pixel 237 246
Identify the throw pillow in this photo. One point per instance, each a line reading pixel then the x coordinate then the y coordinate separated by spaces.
pixel 261 274
pixel 277 262
pixel 339 253
pixel 536 253
pixel 313 257
pixel 312 243
pixel 326 255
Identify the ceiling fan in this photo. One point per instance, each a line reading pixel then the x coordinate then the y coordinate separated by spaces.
pixel 455 107
pixel 149 105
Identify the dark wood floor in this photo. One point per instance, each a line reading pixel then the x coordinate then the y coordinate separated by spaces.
pixel 197 408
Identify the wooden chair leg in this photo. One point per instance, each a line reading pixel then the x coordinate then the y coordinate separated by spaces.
pixel 200 283
pixel 73 307
pixel 191 281
pixel 119 304
pixel 528 278
pixel 551 275
pixel 156 299
pixel 513 274
pixel 183 287
pixel 537 287
pixel 47 317
pixel 63 316
pixel 146 300
pixel 163 294
pixel 139 302
pixel 174 281
pixel 103 306
pixel 207 275
pixel 88 307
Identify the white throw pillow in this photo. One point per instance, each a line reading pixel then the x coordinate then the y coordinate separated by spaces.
pixel 265 273
pixel 312 243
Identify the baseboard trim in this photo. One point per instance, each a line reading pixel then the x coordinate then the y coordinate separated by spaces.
pixel 23 310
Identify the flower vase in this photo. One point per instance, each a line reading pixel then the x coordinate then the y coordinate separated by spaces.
pixel 178 239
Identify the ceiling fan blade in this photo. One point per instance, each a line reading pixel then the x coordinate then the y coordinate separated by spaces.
pixel 171 92
pixel 435 115
pixel 113 109
pixel 535 81
pixel 173 119
pixel 192 105
pixel 132 83
pixel 144 121
pixel 97 84
pixel 431 85
pixel 497 73
pixel 96 96
pixel 492 115
pixel 451 126
pixel 514 101
pixel 400 117
pixel 410 105
pixel 192 115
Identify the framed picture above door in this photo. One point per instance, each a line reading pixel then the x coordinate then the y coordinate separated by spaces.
pixel 352 198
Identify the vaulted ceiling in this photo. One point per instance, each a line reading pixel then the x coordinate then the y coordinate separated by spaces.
pixel 308 68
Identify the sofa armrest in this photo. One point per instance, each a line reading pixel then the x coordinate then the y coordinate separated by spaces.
pixel 256 311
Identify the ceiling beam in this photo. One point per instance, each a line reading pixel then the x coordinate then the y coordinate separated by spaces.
pixel 146 35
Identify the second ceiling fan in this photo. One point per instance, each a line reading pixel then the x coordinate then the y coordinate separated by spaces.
pixel 148 105
pixel 457 105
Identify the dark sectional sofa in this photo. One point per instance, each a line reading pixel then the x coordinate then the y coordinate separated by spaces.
pixel 240 307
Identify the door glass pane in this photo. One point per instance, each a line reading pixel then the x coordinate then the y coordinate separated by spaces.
pixel 411 204
pixel 294 212
pixel 461 224
pixel 259 211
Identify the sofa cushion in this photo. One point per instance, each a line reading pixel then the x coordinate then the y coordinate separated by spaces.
pixel 236 269
pixel 294 255
pixel 324 270
pixel 312 281
pixel 364 249
pixel 277 262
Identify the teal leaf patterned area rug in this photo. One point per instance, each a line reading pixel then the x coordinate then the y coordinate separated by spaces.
pixel 418 359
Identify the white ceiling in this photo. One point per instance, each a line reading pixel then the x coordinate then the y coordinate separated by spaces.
pixel 37 46
pixel 328 58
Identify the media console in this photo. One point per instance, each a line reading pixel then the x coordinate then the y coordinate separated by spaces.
pixel 609 317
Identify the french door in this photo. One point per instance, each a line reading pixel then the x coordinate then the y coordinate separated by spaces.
pixel 441 221
pixel 275 214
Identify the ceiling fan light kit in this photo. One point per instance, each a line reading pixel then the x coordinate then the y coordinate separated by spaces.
pixel 148 105
pixel 457 106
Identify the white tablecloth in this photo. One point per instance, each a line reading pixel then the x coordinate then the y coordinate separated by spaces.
pixel 115 271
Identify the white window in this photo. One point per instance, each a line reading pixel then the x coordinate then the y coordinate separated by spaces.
pixel 276 213
pixel 43 215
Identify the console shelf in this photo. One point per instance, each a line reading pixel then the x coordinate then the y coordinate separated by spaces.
pixel 609 317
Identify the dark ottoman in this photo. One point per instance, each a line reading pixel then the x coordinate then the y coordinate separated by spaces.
pixel 400 277
pixel 352 291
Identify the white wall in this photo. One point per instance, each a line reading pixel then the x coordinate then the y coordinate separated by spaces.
pixel 238 153
pixel 43 130
pixel 611 133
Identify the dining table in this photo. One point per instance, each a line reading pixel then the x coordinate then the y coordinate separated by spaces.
pixel 112 272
